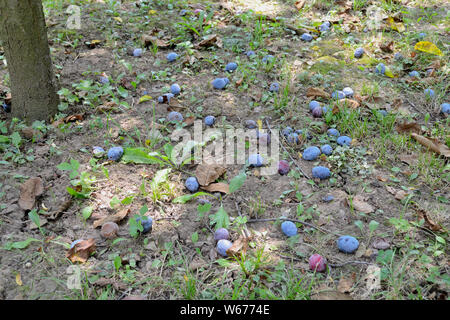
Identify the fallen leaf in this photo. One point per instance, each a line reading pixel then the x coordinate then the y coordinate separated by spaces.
pixel 425 215
pixel 189 120
pixel 209 41
pixel 174 104
pixel 19 279
pixel 396 26
pixel 410 159
pixel 350 103
pixel 81 251
pixel 103 282
pixel 29 190
pixel 428 47
pixel 401 194
pixel 381 178
pixel 299 4
pixel 63 207
pixel 239 82
pixel 240 245
pixel 208 173
pixel 217 187
pixel 387 46
pixel 408 127
pixel 119 216
pixel 360 204
pixel 154 41
pixel 331 295
pixel 316 92
pixel 345 284
pixel 391 190
pixel 432 144
pixel 380 244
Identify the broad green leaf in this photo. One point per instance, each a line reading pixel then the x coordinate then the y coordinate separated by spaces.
pixel 203 208
pixel 64 166
pixel 128 200
pixel 359 224
pixel 123 92
pixel 20 244
pixel 187 197
pixel 16 139
pixel 373 225
pixel 114 202
pixel 143 210
pixel 220 219
pixel 237 182
pixel 34 216
pixel 4 139
pixel 140 155
pixel 86 212
pixel 117 263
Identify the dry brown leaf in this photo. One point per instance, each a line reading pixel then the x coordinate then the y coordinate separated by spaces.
pixel 351 103
pixel 119 216
pixel 299 4
pixel 387 46
pixel 380 244
pixel 189 121
pixel 345 285
pixel 381 178
pixel 408 127
pixel 432 144
pixel 401 194
pixel 154 41
pixel 410 159
pixel 316 92
pixel 209 41
pixel 174 104
pixel 217 187
pixel 331 295
pixel 360 204
pixel 208 173
pixel 29 190
pixel 391 190
pixel 81 251
pixel 103 282
pixel 240 245
pixel 425 215
pixel 239 82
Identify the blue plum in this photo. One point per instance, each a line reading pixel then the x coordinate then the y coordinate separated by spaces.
pixel 192 184
pixel 115 153
pixel 321 172
pixel 347 244
pixel 311 153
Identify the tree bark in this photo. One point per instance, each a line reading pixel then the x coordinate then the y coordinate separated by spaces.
pixel 32 82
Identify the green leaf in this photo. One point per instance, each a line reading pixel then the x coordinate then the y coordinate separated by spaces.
pixel 75 164
pixel 86 212
pixel 373 225
pixel 161 176
pixel 128 200
pixel 143 210
pixel 237 182
pixel 117 263
pixel 64 166
pixel 224 263
pixel 4 139
pixel 359 224
pixel 140 155
pixel 220 219
pixel 16 139
pixel 168 151
pixel 203 208
pixel 123 92
pixel 34 216
pixel 194 237
pixel 20 244
pixel 440 239
pixel 188 197
pixel 114 202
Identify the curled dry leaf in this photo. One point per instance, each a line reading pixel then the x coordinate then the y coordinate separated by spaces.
pixel 313 92
pixel 360 204
pixel 345 284
pixel 217 187
pixel 174 104
pixel 380 244
pixel 425 215
pixel 432 144
pixel 240 245
pixel 154 41
pixel 406 127
pixel 211 40
pixel 189 120
pixel 103 282
pixel 81 251
pixel 410 159
pixel 387 46
pixel 29 190
pixel 299 4
pixel 208 173
pixel 119 216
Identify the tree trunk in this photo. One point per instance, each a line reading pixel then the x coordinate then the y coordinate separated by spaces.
pixel 32 82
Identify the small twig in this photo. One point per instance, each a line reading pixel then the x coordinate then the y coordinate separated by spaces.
pixel 348 262
pixel 295 162
pixel 293 220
